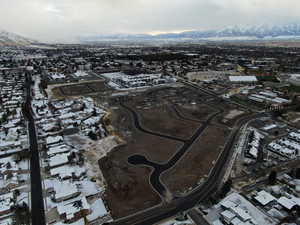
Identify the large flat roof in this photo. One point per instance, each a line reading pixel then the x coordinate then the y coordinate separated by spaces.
pixel 243 78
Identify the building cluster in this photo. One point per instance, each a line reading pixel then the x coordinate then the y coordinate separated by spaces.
pixel 71 196
pixel 122 81
pixel 288 146
pixel 235 209
pixel 254 143
pixel 259 96
pixel 14 152
pixel 279 200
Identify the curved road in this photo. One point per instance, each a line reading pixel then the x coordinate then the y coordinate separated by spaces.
pixel 158 168
pixel 181 204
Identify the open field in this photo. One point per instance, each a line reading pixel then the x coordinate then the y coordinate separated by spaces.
pixel 195 111
pixel 198 161
pixel 81 89
pixel 164 120
pixel 169 114
pixel 128 186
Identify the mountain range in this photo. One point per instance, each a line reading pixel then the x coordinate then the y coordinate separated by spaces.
pixel 12 39
pixel 261 32
pixel 288 31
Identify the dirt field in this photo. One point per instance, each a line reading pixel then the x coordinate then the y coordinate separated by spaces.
pixel 164 120
pixel 196 112
pixel 198 160
pixel 81 89
pixel 128 187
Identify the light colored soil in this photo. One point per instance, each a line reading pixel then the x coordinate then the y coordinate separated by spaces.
pixel 94 151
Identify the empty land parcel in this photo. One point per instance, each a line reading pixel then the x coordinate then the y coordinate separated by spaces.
pixel 158 124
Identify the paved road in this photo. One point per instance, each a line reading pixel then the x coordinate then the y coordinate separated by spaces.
pixel 37 201
pixel 160 168
pixel 138 125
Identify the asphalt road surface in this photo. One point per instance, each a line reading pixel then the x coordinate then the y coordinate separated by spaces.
pixel 37 201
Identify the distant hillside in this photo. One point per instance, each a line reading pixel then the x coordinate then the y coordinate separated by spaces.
pixel 288 31
pixel 11 39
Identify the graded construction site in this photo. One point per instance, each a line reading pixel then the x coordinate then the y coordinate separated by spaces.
pixel 173 137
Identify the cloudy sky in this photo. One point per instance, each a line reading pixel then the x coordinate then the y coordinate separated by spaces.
pixel 49 20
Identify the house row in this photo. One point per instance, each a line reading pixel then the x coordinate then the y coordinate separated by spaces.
pixel 288 147
pixel 70 193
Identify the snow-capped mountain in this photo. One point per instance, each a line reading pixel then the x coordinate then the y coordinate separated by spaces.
pixel 8 38
pixel 288 31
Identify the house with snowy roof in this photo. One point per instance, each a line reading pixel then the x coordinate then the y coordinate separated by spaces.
pixel 73 211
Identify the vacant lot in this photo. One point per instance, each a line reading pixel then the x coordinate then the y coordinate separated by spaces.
pixel 98 86
pixel 128 186
pixel 198 160
pixel 196 111
pixel 81 89
pixel 77 89
pixel 128 189
pixel 164 120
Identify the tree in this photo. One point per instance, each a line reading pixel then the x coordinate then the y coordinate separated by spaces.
pixel 272 177
pixel 22 215
pixel 16 193
pixel 226 188
pixel 298 173
pixel 92 136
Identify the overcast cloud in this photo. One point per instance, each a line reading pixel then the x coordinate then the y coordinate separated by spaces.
pixel 49 20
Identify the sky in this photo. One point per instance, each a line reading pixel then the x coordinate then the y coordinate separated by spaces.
pixel 57 20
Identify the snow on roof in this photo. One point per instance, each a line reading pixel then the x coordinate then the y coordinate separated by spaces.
pixel 92 120
pixel 228 215
pixel 6 144
pixel 275 213
pixel 269 127
pixel 7 221
pixel 57 75
pixel 287 203
pixel 53 139
pixel 98 210
pixel 67 171
pixel 252 211
pixel 6 201
pixel 241 213
pixel 88 188
pixel 264 197
pixel 80 73
pixel 268 93
pixel 58 149
pixel 64 189
pixel 67 115
pixel 256 99
pixel 242 78
pixel 228 204
pixel 70 209
pixel 295 135
pixel 236 221
pixel 58 159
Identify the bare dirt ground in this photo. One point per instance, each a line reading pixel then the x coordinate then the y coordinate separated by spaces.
pixel 128 188
pixel 164 120
pixel 196 111
pixel 198 160
pixel 82 88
